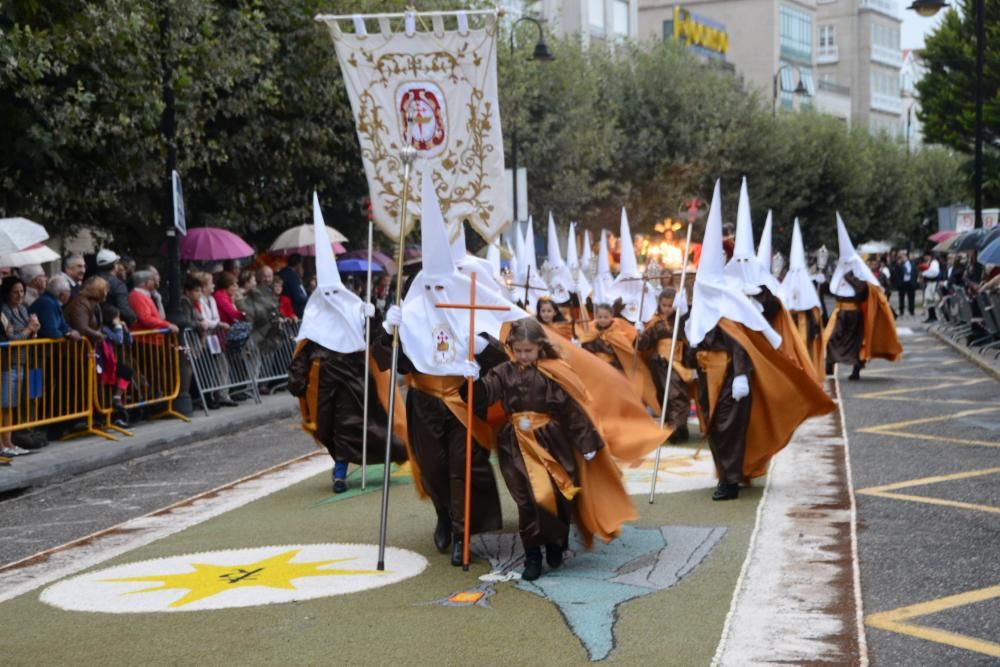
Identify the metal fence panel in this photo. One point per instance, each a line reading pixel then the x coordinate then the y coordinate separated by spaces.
pixel 217 365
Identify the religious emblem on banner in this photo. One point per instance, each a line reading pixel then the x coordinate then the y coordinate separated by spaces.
pixel 444 345
pixel 416 83
pixel 423 118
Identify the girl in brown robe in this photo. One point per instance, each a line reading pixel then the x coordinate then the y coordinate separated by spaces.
pixel 547 450
pixel 848 333
pixel 655 341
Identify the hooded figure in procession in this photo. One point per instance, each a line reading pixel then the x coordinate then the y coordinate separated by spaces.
pixel 328 369
pixel 434 354
pixel 798 293
pixel 861 326
pixel 636 294
pixel 753 397
pixel 751 272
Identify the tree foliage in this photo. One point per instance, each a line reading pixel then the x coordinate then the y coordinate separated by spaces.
pixel 948 89
pixel 262 119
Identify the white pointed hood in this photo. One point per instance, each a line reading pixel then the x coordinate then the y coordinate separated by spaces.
pixel 603 280
pixel 333 316
pixel 466 263
pixel 436 340
pixel 581 284
pixel 587 263
pixel 716 297
pixel 764 258
pixel 798 292
pixel 743 269
pixel 557 274
pixel 537 287
pixel 634 292
pixel 848 260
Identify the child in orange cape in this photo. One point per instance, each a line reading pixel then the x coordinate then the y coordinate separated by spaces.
pixel 551 451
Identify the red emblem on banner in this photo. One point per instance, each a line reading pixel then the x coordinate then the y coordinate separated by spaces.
pixel 423 120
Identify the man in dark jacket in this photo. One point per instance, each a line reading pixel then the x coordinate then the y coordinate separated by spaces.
pixel 48 308
pixel 292 277
pixel 905 282
pixel 109 267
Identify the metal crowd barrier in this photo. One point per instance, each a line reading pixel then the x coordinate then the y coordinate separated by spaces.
pixel 154 359
pixel 217 365
pixel 45 381
pixel 273 365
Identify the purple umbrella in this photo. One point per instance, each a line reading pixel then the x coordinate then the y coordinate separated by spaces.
pixel 213 243
pixel 378 257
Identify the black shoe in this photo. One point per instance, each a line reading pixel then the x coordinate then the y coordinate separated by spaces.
pixel 339 485
pixel 30 439
pixel 679 435
pixel 442 533
pixel 726 492
pixel 554 555
pixel 532 563
pixel 226 403
pixel 456 552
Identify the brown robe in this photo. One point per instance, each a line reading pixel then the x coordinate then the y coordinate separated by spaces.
pixel 331 384
pixel 719 359
pixel 616 345
pixel 527 390
pixel 809 329
pixel 781 321
pixel 845 332
pixel 437 440
pixel 655 342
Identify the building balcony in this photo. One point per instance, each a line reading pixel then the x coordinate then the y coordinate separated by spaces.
pixel 891 104
pixel 834 88
pixel 826 55
pixel 887 56
pixel 887 7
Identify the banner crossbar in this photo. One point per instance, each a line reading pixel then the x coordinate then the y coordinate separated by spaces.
pixel 496 11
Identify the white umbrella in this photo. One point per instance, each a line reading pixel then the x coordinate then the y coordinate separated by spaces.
pixel 302 239
pixel 18 233
pixel 35 254
pixel 874 248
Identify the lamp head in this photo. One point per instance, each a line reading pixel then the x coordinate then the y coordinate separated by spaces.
pixel 927 8
pixel 541 51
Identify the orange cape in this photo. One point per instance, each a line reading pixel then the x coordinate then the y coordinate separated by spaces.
pixel 793 345
pixel 816 351
pixel 783 395
pixel 880 339
pixel 606 396
pixel 621 337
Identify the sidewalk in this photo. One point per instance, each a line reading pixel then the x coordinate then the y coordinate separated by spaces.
pixel 61 460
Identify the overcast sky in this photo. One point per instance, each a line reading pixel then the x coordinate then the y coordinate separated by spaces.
pixel 915 27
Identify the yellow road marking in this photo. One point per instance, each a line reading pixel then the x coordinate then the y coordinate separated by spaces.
pixel 886 490
pixel 909 367
pixel 909 390
pixel 932 438
pixel 928 420
pixel 894 620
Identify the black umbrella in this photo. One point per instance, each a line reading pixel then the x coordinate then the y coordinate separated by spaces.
pixel 970 240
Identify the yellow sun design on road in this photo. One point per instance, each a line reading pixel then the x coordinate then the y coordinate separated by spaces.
pixel 208 580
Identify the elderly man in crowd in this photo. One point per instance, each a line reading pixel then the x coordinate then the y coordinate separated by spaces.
pixel 109 267
pixel 48 308
pixel 144 304
pixel 73 269
pixel 83 312
pixel 35 282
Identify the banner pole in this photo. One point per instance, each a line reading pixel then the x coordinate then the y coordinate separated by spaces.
pixel 409 155
pixel 368 347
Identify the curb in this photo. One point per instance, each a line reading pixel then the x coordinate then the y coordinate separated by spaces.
pixel 101 454
pixel 968 354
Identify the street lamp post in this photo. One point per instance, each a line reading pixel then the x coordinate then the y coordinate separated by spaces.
pixel 928 8
pixel 541 53
pixel 800 89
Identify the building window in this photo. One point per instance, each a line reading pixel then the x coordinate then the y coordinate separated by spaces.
pixel 620 17
pixel 826 36
pixel 796 34
pixel 595 12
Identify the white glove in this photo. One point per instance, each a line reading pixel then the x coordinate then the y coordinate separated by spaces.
pixel 576 341
pixel 367 310
pixel 694 374
pixel 479 344
pixel 393 318
pixel 639 326
pixel 741 387
pixel 470 370
pixel 589 456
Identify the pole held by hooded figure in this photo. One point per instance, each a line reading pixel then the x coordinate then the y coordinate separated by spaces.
pixel 670 366
pixel 368 345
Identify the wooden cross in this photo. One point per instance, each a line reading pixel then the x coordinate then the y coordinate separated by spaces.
pixel 472 307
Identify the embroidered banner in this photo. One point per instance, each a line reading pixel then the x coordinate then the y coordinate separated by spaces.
pixel 436 90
